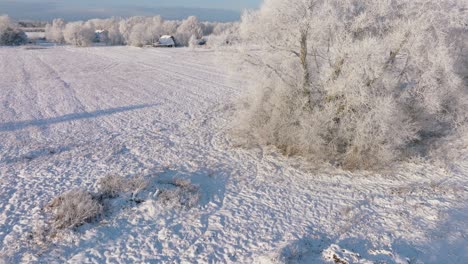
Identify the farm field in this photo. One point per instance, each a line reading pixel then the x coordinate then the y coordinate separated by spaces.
pixel 71 116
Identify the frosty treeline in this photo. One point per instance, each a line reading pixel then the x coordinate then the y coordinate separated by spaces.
pixel 135 31
pixel 10 33
pixel 357 83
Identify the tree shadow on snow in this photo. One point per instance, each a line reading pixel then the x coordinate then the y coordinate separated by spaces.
pixel 38 153
pixel 446 243
pixel 13 126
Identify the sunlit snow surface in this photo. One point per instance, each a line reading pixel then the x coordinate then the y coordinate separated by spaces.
pixel 70 116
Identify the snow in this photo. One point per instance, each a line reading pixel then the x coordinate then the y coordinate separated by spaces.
pixel 71 116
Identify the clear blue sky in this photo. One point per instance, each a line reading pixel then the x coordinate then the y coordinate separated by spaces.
pixel 222 10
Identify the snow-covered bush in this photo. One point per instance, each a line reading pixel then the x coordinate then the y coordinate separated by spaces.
pixel 10 34
pixel 298 250
pixel 40 231
pixel 54 31
pixel 112 185
pixel 356 83
pixel 12 37
pixel 74 208
pixel 182 194
pixel 79 34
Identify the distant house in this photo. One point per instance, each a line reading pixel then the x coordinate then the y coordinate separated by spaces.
pixel 166 41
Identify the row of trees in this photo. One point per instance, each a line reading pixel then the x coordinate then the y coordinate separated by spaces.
pixel 10 33
pixel 136 31
pixel 357 83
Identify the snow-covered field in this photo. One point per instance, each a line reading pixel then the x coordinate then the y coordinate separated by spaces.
pixel 71 116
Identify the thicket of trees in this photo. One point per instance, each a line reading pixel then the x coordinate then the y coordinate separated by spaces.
pixel 136 31
pixel 10 33
pixel 357 83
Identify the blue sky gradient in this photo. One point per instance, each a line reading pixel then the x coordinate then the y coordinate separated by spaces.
pixel 211 10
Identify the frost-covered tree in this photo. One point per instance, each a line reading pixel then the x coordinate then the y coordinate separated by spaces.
pixel 193 42
pixel 5 22
pixel 189 27
pixel 170 27
pixel 114 37
pixel 10 34
pixel 353 82
pixel 224 35
pixel 138 36
pixel 154 29
pixel 136 31
pixel 12 37
pixel 54 31
pixel 79 34
pixel 139 31
pixel 207 28
pixel 126 27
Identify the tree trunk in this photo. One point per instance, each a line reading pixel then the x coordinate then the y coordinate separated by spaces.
pixel 305 67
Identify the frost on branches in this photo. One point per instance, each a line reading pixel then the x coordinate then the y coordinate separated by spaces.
pixel 356 83
pixel 136 31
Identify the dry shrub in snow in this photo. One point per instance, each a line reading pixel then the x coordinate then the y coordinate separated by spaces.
pixel 111 185
pixel 74 208
pixel 183 194
pixel 355 83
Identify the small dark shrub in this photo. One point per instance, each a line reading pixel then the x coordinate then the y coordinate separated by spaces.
pixel 13 37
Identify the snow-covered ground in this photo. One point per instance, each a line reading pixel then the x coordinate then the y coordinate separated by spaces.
pixel 70 116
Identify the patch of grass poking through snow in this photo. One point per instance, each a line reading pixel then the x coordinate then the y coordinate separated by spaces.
pixel 74 208
pixel 77 207
pixel 181 194
pixel 112 186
